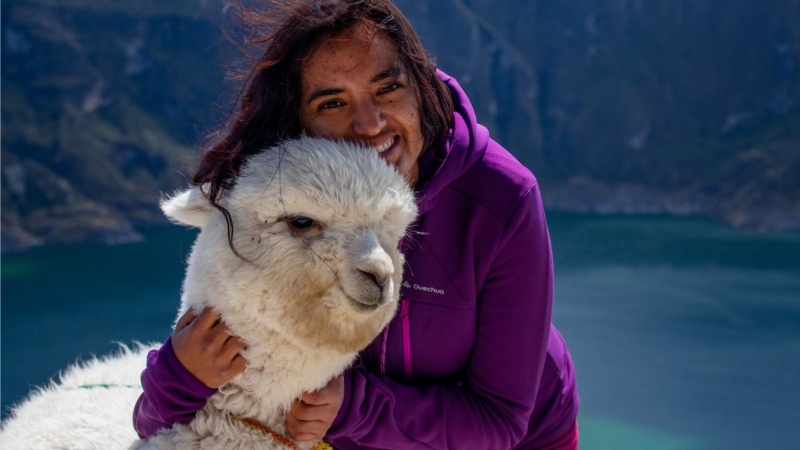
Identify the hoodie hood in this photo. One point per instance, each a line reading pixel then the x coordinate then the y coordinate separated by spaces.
pixel 466 143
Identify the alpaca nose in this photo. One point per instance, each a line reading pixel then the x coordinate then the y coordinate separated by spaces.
pixel 375 274
pixel 369 281
pixel 376 270
pixel 380 278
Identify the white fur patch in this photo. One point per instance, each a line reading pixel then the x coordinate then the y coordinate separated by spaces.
pixel 90 407
pixel 315 277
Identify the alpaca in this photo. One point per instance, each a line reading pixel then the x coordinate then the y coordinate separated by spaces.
pixel 317 275
pixel 310 276
pixel 89 408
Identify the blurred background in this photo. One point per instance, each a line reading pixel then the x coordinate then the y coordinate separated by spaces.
pixel 665 135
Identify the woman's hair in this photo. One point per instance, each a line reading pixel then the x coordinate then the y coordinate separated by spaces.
pixel 266 109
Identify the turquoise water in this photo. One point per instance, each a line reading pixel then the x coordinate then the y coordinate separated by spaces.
pixel 685 335
pixel 64 303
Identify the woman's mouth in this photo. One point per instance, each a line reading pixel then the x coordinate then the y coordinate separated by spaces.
pixel 386 145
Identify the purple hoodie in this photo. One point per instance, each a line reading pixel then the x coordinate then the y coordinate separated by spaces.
pixel 471 359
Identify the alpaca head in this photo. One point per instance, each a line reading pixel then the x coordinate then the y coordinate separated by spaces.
pixel 316 225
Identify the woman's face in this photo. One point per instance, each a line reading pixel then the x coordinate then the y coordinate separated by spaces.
pixel 355 88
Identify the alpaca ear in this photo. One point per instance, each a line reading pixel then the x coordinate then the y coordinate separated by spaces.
pixel 189 207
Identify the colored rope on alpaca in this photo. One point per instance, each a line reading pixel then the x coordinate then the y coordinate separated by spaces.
pixel 109 386
pixel 277 437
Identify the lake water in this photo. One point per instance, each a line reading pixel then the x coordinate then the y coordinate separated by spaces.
pixel 685 335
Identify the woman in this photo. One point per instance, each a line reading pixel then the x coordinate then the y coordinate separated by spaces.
pixel 471 359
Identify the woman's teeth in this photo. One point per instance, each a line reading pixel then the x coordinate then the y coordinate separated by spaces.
pixel 385 146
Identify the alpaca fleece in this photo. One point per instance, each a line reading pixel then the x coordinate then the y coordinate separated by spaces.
pixel 312 277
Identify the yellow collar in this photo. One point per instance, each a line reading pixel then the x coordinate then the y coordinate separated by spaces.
pixel 277 437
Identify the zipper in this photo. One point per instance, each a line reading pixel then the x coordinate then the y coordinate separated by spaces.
pixel 406 338
pixel 406 334
pixel 383 349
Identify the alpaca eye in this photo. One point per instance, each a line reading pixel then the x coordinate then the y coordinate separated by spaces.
pixel 300 222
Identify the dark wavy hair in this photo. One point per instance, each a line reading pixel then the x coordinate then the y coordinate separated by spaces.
pixel 266 109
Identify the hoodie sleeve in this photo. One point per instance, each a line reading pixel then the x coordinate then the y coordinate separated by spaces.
pixel 490 407
pixel 171 394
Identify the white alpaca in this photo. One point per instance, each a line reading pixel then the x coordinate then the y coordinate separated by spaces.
pixel 90 408
pixel 317 276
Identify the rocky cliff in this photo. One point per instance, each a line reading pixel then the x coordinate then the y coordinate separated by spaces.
pixel 102 103
pixel 685 107
pixel 634 106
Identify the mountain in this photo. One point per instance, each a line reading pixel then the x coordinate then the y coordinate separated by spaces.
pixel 634 106
pixel 102 105
pixel 618 106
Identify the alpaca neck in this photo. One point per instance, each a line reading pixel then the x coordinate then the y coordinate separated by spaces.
pixel 277 374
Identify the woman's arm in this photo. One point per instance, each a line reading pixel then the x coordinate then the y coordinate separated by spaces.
pixel 200 356
pixel 492 405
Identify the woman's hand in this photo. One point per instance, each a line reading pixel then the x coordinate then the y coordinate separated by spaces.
pixel 311 416
pixel 205 347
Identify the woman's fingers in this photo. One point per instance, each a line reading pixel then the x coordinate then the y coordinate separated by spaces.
pixel 312 415
pixel 233 346
pixel 204 346
pixel 185 320
pixel 303 429
pixel 237 366
pixel 207 319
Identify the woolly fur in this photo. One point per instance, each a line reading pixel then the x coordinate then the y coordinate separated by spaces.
pixel 305 299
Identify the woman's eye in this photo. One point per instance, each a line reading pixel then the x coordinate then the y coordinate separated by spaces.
pixel 391 87
pixel 330 105
pixel 300 222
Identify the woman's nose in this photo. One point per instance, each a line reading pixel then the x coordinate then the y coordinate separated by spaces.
pixel 368 119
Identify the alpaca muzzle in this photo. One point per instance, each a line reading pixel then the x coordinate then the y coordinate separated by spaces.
pixel 369 282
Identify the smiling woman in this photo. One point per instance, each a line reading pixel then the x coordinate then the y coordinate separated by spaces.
pixel 471 360
pixel 354 89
